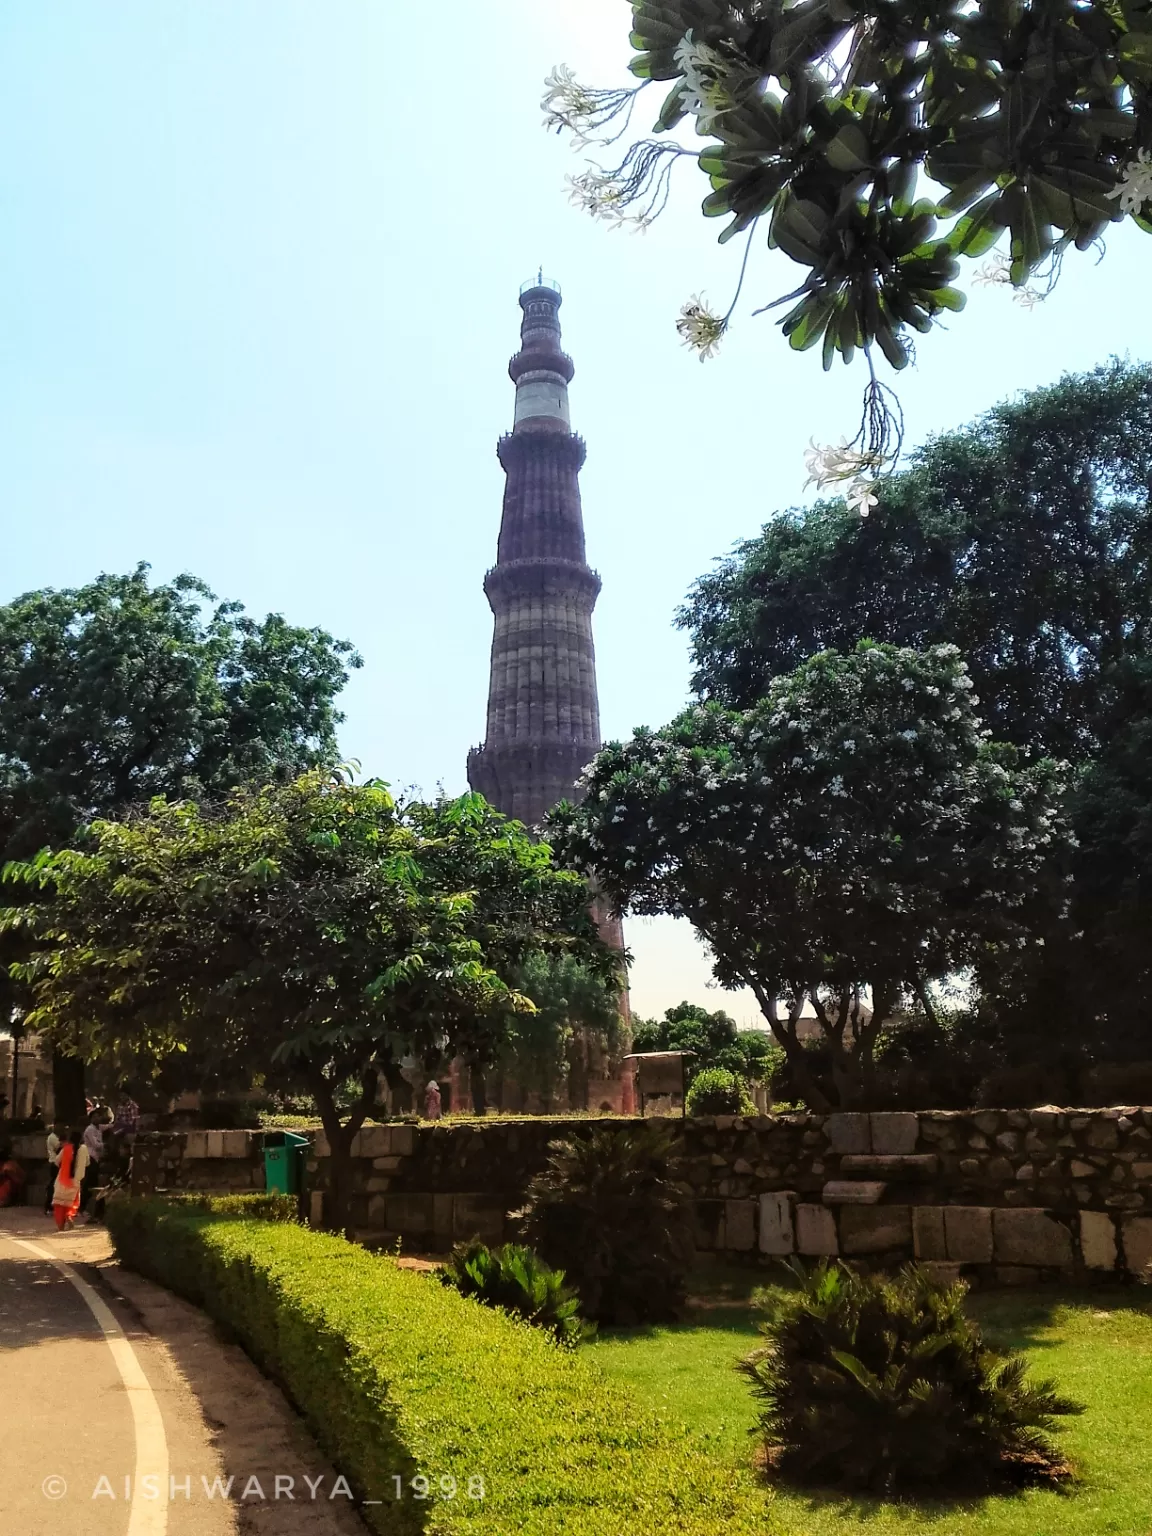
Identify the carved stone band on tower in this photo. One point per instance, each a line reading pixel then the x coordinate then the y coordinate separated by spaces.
pixel 543 712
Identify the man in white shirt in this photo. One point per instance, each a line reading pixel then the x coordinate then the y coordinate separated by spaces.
pixel 94 1141
pixel 53 1143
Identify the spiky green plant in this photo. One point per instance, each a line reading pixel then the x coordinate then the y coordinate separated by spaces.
pixel 607 1212
pixel 518 1280
pixel 883 1382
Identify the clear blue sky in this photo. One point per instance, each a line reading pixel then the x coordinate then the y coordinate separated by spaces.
pixel 258 276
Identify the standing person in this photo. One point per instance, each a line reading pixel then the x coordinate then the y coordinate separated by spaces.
pixel 94 1142
pixel 432 1100
pixel 71 1168
pixel 53 1142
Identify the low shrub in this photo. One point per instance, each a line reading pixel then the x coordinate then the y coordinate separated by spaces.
pixel 264 1205
pixel 519 1281
pixel 606 1211
pixel 716 1091
pixel 401 1378
pixel 882 1383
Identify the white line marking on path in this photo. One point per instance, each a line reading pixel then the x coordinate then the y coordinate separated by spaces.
pixel 149 1517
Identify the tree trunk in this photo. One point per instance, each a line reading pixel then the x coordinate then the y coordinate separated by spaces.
pixel 68 1097
pixel 338 1204
pixel 478 1085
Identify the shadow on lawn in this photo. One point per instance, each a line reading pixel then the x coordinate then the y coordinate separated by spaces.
pixel 1014 1320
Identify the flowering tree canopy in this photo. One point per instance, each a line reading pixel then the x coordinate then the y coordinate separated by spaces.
pixel 881 143
pixel 846 841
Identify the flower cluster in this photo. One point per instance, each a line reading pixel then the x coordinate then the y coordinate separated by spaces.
pixel 604 196
pixel 1135 187
pixel 700 327
pixel 997 273
pixel 704 92
pixel 847 465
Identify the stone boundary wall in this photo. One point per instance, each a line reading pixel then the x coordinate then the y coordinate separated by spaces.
pixel 1001 1195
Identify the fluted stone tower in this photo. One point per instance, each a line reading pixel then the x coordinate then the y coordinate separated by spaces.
pixel 543 711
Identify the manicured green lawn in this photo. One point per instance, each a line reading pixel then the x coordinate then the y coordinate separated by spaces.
pixel 1097 1345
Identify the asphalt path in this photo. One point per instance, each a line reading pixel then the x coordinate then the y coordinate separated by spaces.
pixel 123 1413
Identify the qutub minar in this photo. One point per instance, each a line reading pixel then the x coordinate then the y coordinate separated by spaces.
pixel 543 723
pixel 543 711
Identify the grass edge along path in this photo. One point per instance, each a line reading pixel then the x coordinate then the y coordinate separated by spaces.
pixel 398 1376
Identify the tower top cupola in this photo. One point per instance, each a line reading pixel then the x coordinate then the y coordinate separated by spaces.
pixel 540 370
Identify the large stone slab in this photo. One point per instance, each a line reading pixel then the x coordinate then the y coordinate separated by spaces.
pixel 372 1141
pixel 915 1166
pixel 875 1229
pixel 1137 1232
pixel 816 1231
pixel 928 1233
pixel 479 1216
pixel 895 1134
pixel 1097 1240
pixel 403 1140
pixel 777 1232
pixel 968 1233
pixel 235 1144
pixel 196 1144
pixel 852 1192
pixel 739 1225
pixel 1031 1237
pixel 215 1144
pixel 409 1213
pixel 848 1133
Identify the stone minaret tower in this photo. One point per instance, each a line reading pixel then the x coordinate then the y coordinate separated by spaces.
pixel 543 712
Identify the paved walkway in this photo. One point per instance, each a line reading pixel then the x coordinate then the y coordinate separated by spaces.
pixel 124 1414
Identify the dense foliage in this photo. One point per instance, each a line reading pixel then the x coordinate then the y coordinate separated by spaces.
pixel 117 691
pixel 517 1280
pixel 1024 539
pixel 883 1383
pixel 321 926
pixel 607 1211
pixel 490 1427
pixel 828 118
pixel 846 842
pixel 713 1039
pixel 576 1023
pixel 716 1091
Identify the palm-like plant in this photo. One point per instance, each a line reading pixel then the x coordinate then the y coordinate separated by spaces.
pixel 606 1211
pixel 518 1280
pixel 878 1382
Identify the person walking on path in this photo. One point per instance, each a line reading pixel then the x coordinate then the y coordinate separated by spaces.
pixel 432 1108
pixel 70 1170
pixel 53 1142
pixel 94 1142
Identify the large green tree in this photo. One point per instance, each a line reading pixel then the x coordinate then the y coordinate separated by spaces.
pixel 849 840
pixel 1024 539
pixel 878 144
pixel 713 1038
pixel 319 927
pixel 117 691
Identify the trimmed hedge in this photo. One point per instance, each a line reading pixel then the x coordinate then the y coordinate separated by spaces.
pixel 398 1375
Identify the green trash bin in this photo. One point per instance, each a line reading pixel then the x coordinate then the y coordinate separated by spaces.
pixel 284 1154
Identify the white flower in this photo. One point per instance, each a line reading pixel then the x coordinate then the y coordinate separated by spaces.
pixel 703 93
pixel 601 195
pixel 996 272
pixel 861 496
pixel 566 104
pixel 1135 187
pixel 828 465
pixel 700 327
